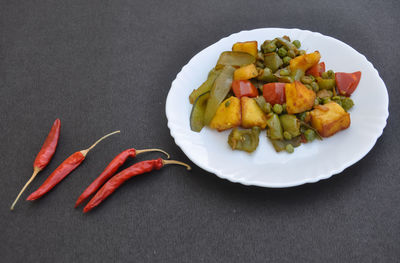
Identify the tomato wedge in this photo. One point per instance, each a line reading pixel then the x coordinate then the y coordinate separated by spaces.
pixel 274 93
pixel 316 70
pixel 244 88
pixel 346 83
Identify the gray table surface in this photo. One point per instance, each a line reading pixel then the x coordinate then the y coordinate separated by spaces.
pixel 106 65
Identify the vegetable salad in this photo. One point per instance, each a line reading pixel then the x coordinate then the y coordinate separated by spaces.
pixel 278 88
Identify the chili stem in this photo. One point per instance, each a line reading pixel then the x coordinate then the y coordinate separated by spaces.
pixel 153 150
pixel 85 152
pixel 35 172
pixel 165 162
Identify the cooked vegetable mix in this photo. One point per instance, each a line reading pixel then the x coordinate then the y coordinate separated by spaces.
pixel 279 88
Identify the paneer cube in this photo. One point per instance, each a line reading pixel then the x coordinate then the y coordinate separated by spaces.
pixel 250 47
pixel 329 118
pixel 298 97
pixel 252 115
pixel 228 115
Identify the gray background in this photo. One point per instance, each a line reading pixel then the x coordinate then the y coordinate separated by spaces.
pixel 106 65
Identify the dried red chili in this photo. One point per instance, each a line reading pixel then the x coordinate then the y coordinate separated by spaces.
pixel 63 170
pixel 110 170
pixel 44 156
pixel 121 177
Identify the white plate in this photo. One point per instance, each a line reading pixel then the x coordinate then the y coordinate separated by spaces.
pixel 310 162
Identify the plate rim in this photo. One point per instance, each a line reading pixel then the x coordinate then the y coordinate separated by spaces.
pixel 303 181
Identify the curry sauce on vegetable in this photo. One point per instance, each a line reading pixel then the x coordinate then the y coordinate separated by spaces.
pixel 278 88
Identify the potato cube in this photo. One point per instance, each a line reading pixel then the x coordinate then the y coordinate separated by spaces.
pixel 245 72
pixel 252 115
pixel 329 118
pixel 298 97
pixel 228 115
pixel 304 62
pixel 250 47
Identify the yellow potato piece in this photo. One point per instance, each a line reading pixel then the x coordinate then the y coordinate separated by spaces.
pixel 304 62
pixel 252 115
pixel 250 47
pixel 228 115
pixel 329 118
pixel 298 97
pixel 245 72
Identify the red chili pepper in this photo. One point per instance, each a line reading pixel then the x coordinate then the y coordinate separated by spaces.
pixel 274 93
pixel 316 70
pixel 110 170
pixel 346 83
pixel 63 170
pixel 44 156
pixel 244 88
pixel 123 176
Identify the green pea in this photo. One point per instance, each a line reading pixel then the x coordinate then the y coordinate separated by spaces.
pixel 335 98
pixel 306 80
pixel 291 53
pixel 286 60
pixel 302 116
pixel 310 135
pixel 302 52
pixel 282 52
pixel 347 104
pixel 277 108
pixel 316 102
pixel 287 135
pixel 296 43
pixel 289 148
pixel 308 86
pixel 326 100
pixel 284 72
pixel 315 86
pixel 284 107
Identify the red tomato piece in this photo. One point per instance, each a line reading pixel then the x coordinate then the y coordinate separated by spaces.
pixel 346 83
pixel 244 88
pixel 316 70
pixel 274 93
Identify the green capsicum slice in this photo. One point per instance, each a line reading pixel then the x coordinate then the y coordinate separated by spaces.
pixel 219 91
pixel 245 140
pixel 235 59
pixel 197 114
pixel 206 86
